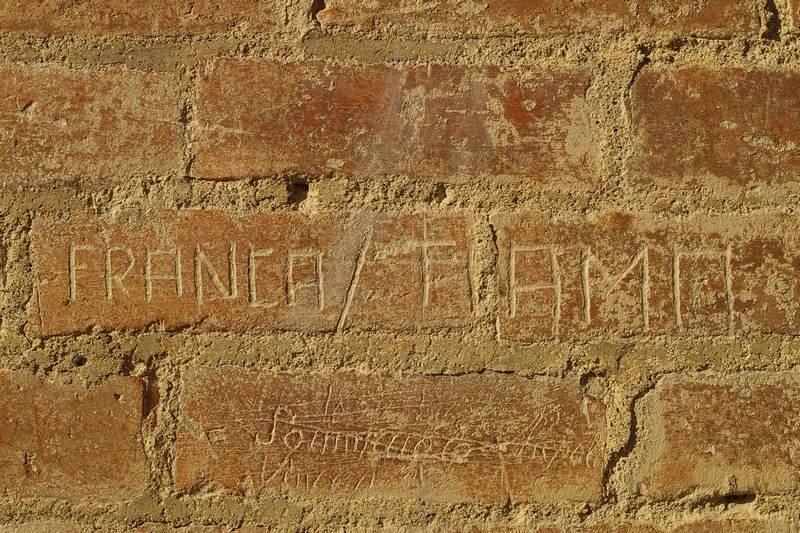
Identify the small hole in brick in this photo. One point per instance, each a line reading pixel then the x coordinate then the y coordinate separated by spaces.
pixel 316 7
pixel 117 396
pixel 740 498
pixel 78 360
pixel 298 192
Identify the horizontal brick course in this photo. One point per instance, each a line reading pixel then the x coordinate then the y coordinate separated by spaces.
pixel 436 122
pixel 712 435
pixel 411 436
pixel 213 270
pixel 696 126
pixel 57 123
pixel 154 17
pixel 61 440
pixel 624 274
pixel 548 18
pixel 715 18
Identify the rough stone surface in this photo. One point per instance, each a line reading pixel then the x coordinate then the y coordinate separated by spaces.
pixel 484 438
pixel 103 124
pixel 61 440
pixel 718 435
pixel 435 122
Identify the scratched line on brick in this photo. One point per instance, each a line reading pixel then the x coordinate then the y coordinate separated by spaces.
pixel 413 434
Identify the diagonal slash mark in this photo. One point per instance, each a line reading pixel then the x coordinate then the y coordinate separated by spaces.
pixel 351 290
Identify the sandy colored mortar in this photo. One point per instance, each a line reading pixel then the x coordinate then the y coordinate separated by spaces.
pixel 626 368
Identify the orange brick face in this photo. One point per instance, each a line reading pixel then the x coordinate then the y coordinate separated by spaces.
pixel 323 272
pixel 65 441
pixel 730 127
pixel 347 434
pixel 109 123
pixel 717 435
pixel 447 123
pixel 159 17
pixel 628 274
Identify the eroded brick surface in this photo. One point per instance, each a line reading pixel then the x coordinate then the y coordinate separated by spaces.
pixel 155 17
pixel 716 18
pixel 628 274
pixel 65 441
pixel 544 17
pixel 323 272
pixel 40 527
pixel 166 528
pixel 727 127
pixel 441 122
pixel 57 123
pixel 482 438
pixel 706 434
pixel 692 525
pixel 712 18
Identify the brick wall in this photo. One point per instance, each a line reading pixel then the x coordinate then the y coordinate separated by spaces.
pixel 400 265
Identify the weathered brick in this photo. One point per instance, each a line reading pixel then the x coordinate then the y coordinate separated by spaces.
pixel 66 441
pixel 697 126
pixel 111 123
pixel 692 526
pixel 442 122
pixel 155 17
pixel 620 526
pixel 741 525
pixel 705 434
pixel 166 528
pixel 214 270
pixel 40 527
pixel 636 274
pixel 545 18
pixel 712 18
pixel 715 18
pixel 485 437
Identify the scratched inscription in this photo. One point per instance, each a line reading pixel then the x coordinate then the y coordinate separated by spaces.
pixel 209 269
pixel 466 438
pixel 622 275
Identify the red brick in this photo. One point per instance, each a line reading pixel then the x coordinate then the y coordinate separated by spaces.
pixel 483 438
pixel 619 274
pixel 705 435
pixel 319 272
pixel 57 123
pixel 711 18
pixel 715 18
pixel 66 441
pixel 440 122
pixel 154 17
pixel 696 126
pixel 545 18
